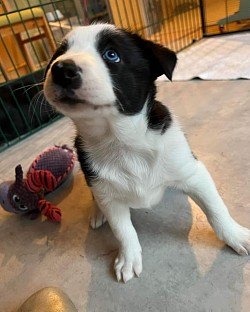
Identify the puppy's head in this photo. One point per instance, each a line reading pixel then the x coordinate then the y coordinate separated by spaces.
pixel 102 68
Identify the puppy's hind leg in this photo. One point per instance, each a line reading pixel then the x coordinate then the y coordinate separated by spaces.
pixel 201 188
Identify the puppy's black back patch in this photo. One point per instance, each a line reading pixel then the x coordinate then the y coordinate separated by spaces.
pixel 159 117
pixel 85 163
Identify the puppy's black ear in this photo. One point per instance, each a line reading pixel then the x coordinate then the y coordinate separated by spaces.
pixel 162 60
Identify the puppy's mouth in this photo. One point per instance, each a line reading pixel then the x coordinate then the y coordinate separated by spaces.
pixel 71 101
pixel 66 100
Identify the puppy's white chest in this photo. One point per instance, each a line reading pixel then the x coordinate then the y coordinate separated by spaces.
pixel 130 175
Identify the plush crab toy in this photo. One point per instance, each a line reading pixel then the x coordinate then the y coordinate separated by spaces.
pixel 47 172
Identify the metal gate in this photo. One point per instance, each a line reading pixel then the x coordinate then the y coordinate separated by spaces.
pixel 174 23
pixel 30 30
pixel 29 33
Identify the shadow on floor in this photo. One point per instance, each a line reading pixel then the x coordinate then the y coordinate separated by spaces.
pixel 171 279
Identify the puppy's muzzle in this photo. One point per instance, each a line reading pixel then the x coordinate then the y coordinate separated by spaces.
pixel 66 74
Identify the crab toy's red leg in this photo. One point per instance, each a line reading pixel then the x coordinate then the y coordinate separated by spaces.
pixel 52 212
pixel 38 179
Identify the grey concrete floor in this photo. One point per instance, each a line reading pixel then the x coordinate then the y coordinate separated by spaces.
pixel 186 268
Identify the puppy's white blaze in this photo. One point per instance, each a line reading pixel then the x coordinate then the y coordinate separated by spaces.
pixel 97 85
pixel 96 82
pixel 84 38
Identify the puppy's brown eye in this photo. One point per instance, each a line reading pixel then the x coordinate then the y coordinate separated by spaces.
pixel 111 56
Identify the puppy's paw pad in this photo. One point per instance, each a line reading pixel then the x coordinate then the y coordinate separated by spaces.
pixel 242 251
pixel 127 266
pixel 238 238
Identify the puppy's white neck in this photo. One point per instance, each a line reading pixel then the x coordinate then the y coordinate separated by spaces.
pixel 92 128
pixel 113 126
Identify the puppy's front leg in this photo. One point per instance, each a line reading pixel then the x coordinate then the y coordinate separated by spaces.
pixel 201 188
pixel 129 260
pixel 97 218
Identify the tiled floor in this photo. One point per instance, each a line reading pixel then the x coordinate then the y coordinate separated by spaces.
pixel 186 268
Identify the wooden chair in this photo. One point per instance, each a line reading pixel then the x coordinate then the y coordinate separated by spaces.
pixel 14 25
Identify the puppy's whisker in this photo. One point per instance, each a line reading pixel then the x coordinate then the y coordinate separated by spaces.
pixel 32 107
pixel 30 86
pixel 48 108
pixel 41 103
pixel 35 103
pixel 120 104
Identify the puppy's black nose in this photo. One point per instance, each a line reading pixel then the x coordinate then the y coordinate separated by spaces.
pixel 66 74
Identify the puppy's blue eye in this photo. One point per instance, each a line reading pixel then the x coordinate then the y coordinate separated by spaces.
pixel 111 56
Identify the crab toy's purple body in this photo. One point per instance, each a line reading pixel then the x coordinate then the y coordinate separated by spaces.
pixel 26 196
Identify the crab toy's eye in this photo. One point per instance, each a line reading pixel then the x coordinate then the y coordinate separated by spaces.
pixel 23 207
pixel 111 56
pixel 16 198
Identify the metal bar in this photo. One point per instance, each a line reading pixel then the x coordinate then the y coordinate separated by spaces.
pixel 160 23
pixel 140 17
pixel 203 19
pixel 119 14
pixel 27 95
pixel 68 17
pixel 9 56
pixel 197 20
pixel 175 29
pixel 167 26
pixel 179 29
pixel 39 30
pixel 3 135
pixel 53 3
pixel 14 66
pixel 9 117
pixel 3 72
pixel 133 15
pixel 198 15
pixel 27 32
pixel 22 137
pixel 192 21
pixel 78 17
pixel 126 14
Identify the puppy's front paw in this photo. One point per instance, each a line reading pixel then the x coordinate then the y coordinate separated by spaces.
pixel 97 221
pixel 97 218
pixel 238 238
pixel 128 264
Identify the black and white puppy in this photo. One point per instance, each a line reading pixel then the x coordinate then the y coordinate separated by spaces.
pixel 129 145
